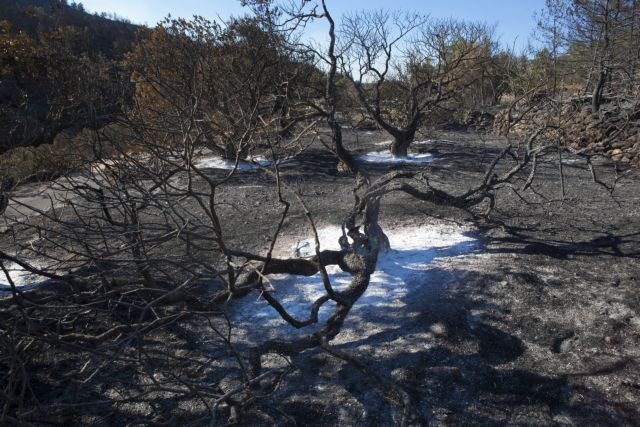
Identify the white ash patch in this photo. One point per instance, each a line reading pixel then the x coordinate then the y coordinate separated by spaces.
pixel 387 157
pixel 384 143
pixel 388 142
pixel 574 160
pixel 22 278
pixel 415 250
pixel 216 162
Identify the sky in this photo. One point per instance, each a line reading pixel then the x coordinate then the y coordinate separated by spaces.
pixel 514 18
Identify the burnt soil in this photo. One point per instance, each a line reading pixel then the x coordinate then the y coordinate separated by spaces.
pixel 540 325
pixel 542 328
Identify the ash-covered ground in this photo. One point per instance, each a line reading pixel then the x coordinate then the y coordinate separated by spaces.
pixel 531 317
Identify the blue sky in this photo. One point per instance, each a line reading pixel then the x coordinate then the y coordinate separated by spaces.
pixel 514 18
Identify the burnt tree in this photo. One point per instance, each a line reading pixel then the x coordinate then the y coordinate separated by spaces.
pixel 406 67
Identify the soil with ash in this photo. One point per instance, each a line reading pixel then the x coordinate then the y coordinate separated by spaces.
pixel 537 322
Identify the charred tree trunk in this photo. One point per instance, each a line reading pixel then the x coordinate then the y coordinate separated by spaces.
pixel 330 94
pixel 401 142
pixel 5 186
pixel 399 147
pixel 596 96
pixel 286 128
pixel 232 151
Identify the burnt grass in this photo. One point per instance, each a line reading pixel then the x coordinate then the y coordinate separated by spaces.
pixel 541 327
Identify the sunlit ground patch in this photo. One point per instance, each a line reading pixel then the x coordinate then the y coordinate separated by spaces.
pixel 22 278
pixel 415 250
pixel 384 143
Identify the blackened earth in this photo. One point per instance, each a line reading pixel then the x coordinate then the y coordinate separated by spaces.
pixel 539 325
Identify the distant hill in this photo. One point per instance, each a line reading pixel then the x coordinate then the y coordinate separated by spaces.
pixel 111 35
pixel 59 68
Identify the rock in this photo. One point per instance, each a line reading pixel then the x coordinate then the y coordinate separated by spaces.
pixel 564 342
pixel 342 168
pixel 593 134
pixel 401 374
pixel 229 383
pixel 438 329
pixel 582 128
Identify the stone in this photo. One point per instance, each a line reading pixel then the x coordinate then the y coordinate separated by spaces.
pixel 438 329
pixel 616 155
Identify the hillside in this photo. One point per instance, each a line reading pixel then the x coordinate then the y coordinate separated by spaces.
pixel 111 37
pixel 60 68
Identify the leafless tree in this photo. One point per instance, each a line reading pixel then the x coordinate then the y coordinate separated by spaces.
pixel 604 34
pixel 406 67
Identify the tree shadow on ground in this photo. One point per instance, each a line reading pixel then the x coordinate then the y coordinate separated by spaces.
pixel 519 240
pixel 460 368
